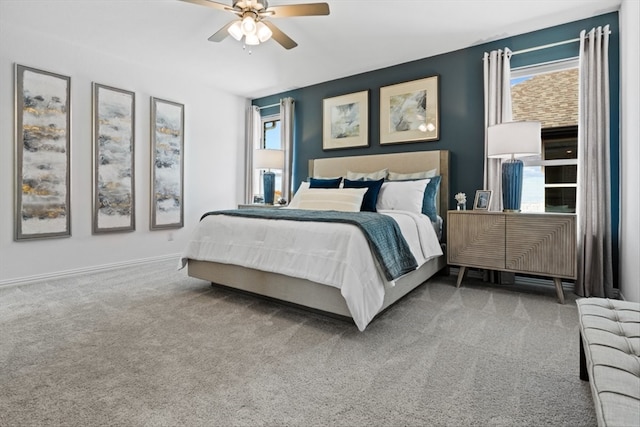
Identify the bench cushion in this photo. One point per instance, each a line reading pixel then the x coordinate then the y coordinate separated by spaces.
pixel 610 332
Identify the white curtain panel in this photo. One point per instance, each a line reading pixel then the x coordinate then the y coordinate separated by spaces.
pixel 595 274
pixel 253 133
pixel 286 122
pixel 497 109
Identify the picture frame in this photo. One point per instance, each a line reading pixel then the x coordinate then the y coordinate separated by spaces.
pixel 42 154
pixel 482 200
pixel 167 164
pixel 345 121
pixel 409 112
pixel 113 131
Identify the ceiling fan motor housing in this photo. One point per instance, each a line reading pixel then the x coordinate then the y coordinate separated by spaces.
pixel 256 5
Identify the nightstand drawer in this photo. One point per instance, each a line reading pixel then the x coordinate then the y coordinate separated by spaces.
pixel 542 244
pixel 476 240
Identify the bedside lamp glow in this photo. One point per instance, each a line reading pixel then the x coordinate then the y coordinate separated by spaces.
pixel 511 140
pixel 268 159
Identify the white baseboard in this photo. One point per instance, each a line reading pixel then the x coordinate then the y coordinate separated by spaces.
pixel 84 270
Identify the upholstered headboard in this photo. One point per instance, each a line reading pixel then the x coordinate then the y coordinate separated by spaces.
pixel 409 162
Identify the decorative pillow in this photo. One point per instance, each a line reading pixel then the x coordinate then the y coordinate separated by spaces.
pixel 402 195
pixel 367 176
pixel 429 203
pixel 393 176
pixel 325 182
pixel 295 200
pixel 329 199
pixel 371 196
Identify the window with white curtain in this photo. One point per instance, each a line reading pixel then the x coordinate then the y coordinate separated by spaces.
pixel 549 93
pixel 270 139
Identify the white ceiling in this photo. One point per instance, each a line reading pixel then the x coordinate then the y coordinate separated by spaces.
pixel 358 35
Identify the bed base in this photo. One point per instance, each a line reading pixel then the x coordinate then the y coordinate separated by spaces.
pixel 302 292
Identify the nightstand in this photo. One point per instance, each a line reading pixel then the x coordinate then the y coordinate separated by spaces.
pixel 541 244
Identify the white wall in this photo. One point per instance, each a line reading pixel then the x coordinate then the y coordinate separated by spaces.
pixel 630 150
pixel 214 132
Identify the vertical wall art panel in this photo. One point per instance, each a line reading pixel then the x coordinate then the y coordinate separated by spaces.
pixel 43 141
pixel 113 159
pixel 167 146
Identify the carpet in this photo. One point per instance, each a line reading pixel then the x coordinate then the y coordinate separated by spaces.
pixel 149 346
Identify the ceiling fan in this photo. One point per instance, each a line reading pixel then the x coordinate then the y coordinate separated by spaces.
pixel 252 24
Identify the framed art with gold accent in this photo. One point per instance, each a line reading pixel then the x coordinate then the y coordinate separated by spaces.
pixel 113 159
pixel 409 112
pixel 167 163
pixel 43 144
pixel 345 121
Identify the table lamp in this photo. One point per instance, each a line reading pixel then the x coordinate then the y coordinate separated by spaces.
pixel 268 159
pixel 508 141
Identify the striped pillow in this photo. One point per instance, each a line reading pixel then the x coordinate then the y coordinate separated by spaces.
pixel 329 199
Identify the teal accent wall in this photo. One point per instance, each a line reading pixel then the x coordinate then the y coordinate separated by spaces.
pixel 461 105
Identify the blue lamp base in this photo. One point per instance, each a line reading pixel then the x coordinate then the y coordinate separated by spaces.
pixel 512 185
pixel 269 185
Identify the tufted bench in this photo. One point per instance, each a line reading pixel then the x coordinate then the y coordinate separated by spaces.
pixel 610 358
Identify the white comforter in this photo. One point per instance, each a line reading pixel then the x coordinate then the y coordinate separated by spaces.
pixel 333 254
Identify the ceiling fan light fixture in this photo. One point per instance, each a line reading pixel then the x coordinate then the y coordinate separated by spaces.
pixel 263 32
pixel 248 25
pixel 251 40
pixel 235 30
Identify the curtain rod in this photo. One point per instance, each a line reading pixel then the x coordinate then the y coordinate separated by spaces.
pixel 545 46
pixel 269 106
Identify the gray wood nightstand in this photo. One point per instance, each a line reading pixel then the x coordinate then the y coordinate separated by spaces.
pixel 534 243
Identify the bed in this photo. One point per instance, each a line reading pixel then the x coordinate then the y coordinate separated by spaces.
pixel 313 294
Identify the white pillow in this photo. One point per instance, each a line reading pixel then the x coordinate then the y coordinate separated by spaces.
pixel 402 195
pixel 295 200
pixel 393 176
pixel 367 176
pixel 332 199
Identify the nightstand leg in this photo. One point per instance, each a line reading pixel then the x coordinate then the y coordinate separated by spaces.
pixel 461 275
pixel 558 282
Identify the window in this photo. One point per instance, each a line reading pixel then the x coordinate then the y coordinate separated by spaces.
pixel 270 139
pixel 549 93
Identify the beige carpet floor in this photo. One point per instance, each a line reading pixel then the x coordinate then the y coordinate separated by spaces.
pixel 149 346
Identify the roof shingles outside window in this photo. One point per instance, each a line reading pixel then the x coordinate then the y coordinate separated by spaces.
pixel 551 98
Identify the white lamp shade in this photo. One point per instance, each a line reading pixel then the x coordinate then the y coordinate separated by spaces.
pixel 251 40
pixel 248 25
pixel 264 33
pixel 236 30
pixel 268 159
pixel 517 139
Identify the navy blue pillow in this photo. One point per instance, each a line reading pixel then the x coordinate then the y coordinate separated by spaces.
pixel 325 183
pixel 429 207
pixel 370 198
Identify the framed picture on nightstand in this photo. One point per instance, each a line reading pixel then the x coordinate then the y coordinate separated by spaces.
pixel 482 201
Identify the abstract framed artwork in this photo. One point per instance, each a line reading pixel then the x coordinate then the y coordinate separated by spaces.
pixel 345 121
pixel 113 159
pixel 42 150
pixel 167 163
pixel 409 112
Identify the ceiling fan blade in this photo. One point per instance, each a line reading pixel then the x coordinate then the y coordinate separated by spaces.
pixel 207 3
pixel 221 34
pixel 286 41
pixel 309 9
